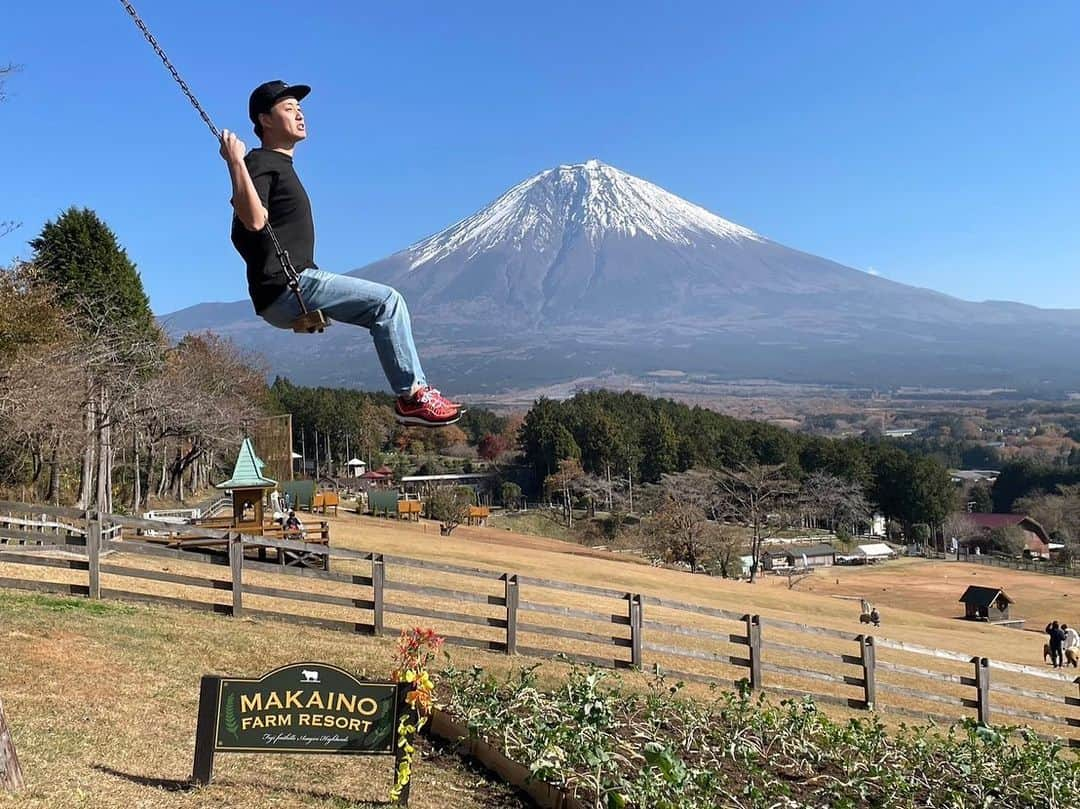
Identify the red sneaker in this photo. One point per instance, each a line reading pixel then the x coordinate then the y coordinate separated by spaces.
pixel 427 408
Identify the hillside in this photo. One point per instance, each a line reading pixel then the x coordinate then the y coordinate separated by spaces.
pixel 80 679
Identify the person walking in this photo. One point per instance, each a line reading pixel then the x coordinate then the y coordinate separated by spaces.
pixel 1070 646
pixel 266 190
pixel 1057 639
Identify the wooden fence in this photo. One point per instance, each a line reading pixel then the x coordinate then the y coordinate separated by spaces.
pixel 508 613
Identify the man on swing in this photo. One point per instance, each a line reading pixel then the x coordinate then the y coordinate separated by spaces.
pixel 266 189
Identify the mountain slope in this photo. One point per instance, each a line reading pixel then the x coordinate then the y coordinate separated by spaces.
pixel 584 268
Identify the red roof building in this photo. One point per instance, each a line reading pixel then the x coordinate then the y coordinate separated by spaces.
pixel 1036 540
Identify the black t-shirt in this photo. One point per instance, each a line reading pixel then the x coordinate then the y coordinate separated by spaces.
pixel 287 202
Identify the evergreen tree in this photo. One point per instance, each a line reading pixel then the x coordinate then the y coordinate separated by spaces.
pixel 660 449
pixel 79 255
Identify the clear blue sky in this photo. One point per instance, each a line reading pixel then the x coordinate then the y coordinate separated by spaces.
pixel 934 143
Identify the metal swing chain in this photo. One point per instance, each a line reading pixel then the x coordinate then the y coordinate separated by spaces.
pixel 165 59
pixel 291 275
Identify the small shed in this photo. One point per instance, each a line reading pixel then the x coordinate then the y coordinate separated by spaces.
pixel 356 467
pixel 248 488
pixel 822 555
pixel 986 604
pixel 876 551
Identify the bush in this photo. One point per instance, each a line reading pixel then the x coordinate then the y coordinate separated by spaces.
pixel 450 506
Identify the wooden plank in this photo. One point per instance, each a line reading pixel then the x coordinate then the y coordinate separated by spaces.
pixel 635 615
pixel 236 571
pixel 512 595
pixel 458 570
pixel 776 623
pixel 551 654
pixel 307 620
pixel 71 548
pixel 846 702
pixel 378 590
pixel 442 592
pixel 688 631
pixel 160 575
pixel 834 657
pixel 753 637
pixel 93 554
pixel 43 561
pixel 45 586
pixel 890 688
pixel 1044 696
pixel 1017 668
pixel 34 508
pixel 1032 715
pixel 180 529
pixel 76 526
pixel 11 777
pixel 572 612
pixel 694 608
pixel 694 677
pixel 588 637
pixel 146 549
pixel 316 548
pixel 36 536
pixel 314 598
pixel 982 688
pixel 476 643
pixel 915 714
pixel 306 573
pixel 573 588
pixel 812 674
pixel 167 601
pixel 694 653
pixel 477 620
pixel 930 674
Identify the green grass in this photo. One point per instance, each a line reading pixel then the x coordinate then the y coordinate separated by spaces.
pixel 13 603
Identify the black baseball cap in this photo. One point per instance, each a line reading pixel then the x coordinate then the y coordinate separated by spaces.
pixel 266 95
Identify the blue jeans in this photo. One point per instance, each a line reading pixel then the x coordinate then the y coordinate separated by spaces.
pixel 378 308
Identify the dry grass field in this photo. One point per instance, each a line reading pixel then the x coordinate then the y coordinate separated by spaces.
pixel 102 699
pixel 102 695
pixel 919 599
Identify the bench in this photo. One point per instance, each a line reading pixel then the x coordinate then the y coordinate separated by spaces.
pixel 325 500
pixel 478 515
pixel 409 509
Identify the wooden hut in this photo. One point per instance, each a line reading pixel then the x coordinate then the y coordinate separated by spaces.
pixel 248 488
pixel 986 604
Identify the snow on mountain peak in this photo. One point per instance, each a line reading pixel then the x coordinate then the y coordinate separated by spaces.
pixel 590 199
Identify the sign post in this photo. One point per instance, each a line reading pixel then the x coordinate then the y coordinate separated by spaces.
pixel 300 708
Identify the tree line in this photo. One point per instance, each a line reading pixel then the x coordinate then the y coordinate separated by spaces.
pixel 629 438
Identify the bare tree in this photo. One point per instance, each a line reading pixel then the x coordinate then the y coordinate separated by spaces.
pixel 750 496
pixel 835 502
pixel 959 526
pixel 563 481
pixel 681 532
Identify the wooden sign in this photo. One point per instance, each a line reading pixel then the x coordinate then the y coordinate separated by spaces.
pixel 300 708
pixel 11 778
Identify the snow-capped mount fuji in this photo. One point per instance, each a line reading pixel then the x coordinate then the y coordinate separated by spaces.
pixel 584 269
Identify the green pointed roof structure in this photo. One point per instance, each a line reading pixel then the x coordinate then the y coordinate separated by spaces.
pixel 247 474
